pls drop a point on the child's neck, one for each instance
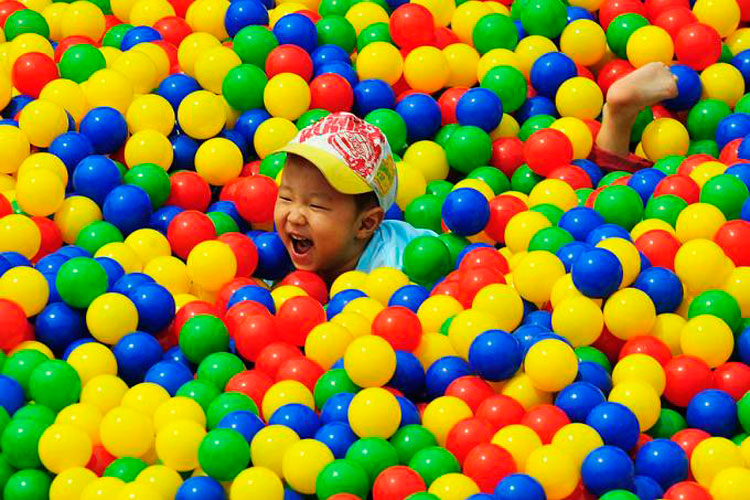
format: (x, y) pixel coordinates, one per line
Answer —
(348, 265)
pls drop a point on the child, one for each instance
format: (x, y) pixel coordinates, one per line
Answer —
(338, 181)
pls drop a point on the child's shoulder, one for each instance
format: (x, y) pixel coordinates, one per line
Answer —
(387, 246)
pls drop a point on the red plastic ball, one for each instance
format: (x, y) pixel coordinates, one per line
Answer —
(613, 71)
(297, 316)
(545, 420)
(621, 181)
(484, 257)
(412, 25)
(100, 459)
(691, 162)
(226, 291)
(32, 71)
(344, 496)
(687, 490)
(251, 383)
(507, 154)
(289, 58)
(609, 344)
(170, 50)
(51, 236)
(189, 191)
(502, 209)
(191, 309)
(659, 246)
(487, 464)
(679, 185)
(471, 389)
(610, 9)
(648, 345)
(309, 282)
(697, 45)
(500, 410)
(575, 177)
(181, 6)
(445, 36)
(13, 324)
(686, 376)
(5, 207)
(187, 229)
(729, 154)
(331, 92)
(733, 237)
(396, 483)
(240, 311)
(732, 378)
(656, 7)
(449, 288)
(448, 101)
(689, 438)
(547, 149)
(466, 434)
(673, 19)
(471, 281)
(274, 355)
(255, 333)
(68, 42)
(256, 197)
(173, 29)
(303, 370)
(244, 250)
(7, 8)
(399, 326)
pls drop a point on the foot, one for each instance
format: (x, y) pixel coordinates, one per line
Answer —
(646, 86)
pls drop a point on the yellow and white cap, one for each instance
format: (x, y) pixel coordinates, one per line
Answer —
(353, 155)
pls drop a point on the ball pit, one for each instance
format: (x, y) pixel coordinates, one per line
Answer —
(569, 332)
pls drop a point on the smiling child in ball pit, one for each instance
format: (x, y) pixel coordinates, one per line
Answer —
(340, 179)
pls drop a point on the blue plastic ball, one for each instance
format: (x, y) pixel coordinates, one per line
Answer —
(155, 305)
(480, 107)
(139, 34)
(175, 354)
(254, 293)
(495, 355)
(296, 29)
(595, 374)
(662, 286)
(273, 260)
(300, 418)
(597, 273)
(689, 88)
(569, 253)
(105, 128)
(175, 87)
(578, 399)
(465, 211)
(409, 377)
(184, 149)
(336, 409)
(647, 489)
(340, 68)
(71, 148)
(576, 13)
(607, 468)
(519, 487)
(162, 217)
(128, 207)
(616, 424)
(136, 353)
(170, 375)
(664, 461)
(329, 53)
(743, 346)
(245, 422)
(644, 182)
(338, 436)
(200, 488)
(601, 233)
(48, 264)
(422, 116)
(732, 127)
(340, 300)
(409, 296)
(740, 170)
(243, 13)
(541, 319)
(580, 222)
(591, 169)
(113, 269)
(713, 411)
(74, 344)
(741, 61)
(11, 394)
(409, 412)
(372, 94)
(95, 177)
(549, 71)
(442, 372)
(249, 121)
(58, 325)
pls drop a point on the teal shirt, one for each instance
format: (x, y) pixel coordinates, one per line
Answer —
(386, 249)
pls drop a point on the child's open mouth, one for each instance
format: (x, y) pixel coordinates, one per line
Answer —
(300, 245)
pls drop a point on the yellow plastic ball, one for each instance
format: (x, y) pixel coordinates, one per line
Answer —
(497, 57)
(664, 137)
(462, 61)
(468, 325)
(218, 161)
(67, 94)
(64, 447)
(302, 463)
(157, 55)
(152, 112)
(382, 282)
(148, 244)
(83, 416)
(426, 69)
(628, 313)
(722, 15)
(108, 87)
(519, 440)
(269, 445)
(326, 343)
(579, 97)
(738, 286)
(273, 134)
(145, 397)
(178, 408)
(212, 66)
(430, 158)
(191, 47)
(374, 412)
(577, 440)
(640, 368)
(651, 225)
(18, 233)
(411, 184)
(551, 364)
(709, 338)
(433, 346)
(700, 265)
(161, 478)
(433, 312)
(366, 306)
(92, 359)
(110, 317)
(723, 82)
(42, 121)
(508, 128)
(578, 319)
(177, 444)
(83, 18)
(699, 220)
(453, 486)
(441, 414)
(501, 301)
(102, 487)
(711, 456)
(522, 227)
(555, 470)
(364, 14)
(123, 255)
(201, 114)
(578, 132)
(104, 392)
(211, 264)
(738, 41)
(442, 10)
(522, 389)
(138, 68)
(553, 192)
(531, 48)
(44, 161)
(69, 484)
(649, 44)
(707, 171)
(40, 192)
(285, 392)
(15, 146)
(355, 323)
(380, 60)
(369, 361)
(584, 41)
(732, 483)
(628, 256)
(536, 274)
(147, 12)
(466, 16)
(257, 482)
(642, 400)
(126, 432)
(668, 329)
(208, 16)
(285, 292)
(27, 287)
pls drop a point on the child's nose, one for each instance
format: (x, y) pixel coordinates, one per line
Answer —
(296, 216)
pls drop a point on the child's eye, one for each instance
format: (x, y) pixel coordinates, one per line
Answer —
(285, 198)
(318, 207)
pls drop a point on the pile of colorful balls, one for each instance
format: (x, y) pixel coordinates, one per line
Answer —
(570, 333)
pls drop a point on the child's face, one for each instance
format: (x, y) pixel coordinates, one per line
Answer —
(321, 228)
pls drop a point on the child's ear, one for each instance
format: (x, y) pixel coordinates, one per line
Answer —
(369, 221)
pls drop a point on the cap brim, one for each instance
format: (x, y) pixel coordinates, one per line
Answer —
(337, 173)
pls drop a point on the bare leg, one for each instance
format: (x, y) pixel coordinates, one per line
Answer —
(648, 85)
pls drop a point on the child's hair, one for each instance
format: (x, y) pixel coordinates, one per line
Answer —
(365, 201)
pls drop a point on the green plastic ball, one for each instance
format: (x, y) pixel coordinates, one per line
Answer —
(200, 391)
(20, 443)
(508, 83)
(743, 411)
(373, 455)
(113, 37)
(524, 179)
(308, 118)
(336, 30)
(439, 188)
(151, 178)
(665, 207)
(669, 164)
(455, 243)
(433, 462)
(410, 439)
(720, 304)
(493, 177)
(80, 280)
(727, 193)
(20, 365)
(55, 384)
(227, 403)
(582, 194)
(550, 239)
(332, 382)
(669, 423)
(334, 7)
(645, 116)
(705, 116)
(342, 476)
(6, 470)
(445, 133)
(25, 21)
(426, 259)
(705, 147)
(494, 31)
(469, 147)
(612, 177)
(424, 212)
(203, 335)
(253, 44)
(37, 413)
(536, 122)
(376, 32)
(27, 484)
(544, 17)
(588, 353)
(620, 205)
(81, 61)
(125, 468)
(392, 125)
(218, 368)
(743, 105)
(271, 165)
(620, 29)
(223, 454)
(96, 234)
(223, 222)
(553, 213)
(243, 87)
(619, 495)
